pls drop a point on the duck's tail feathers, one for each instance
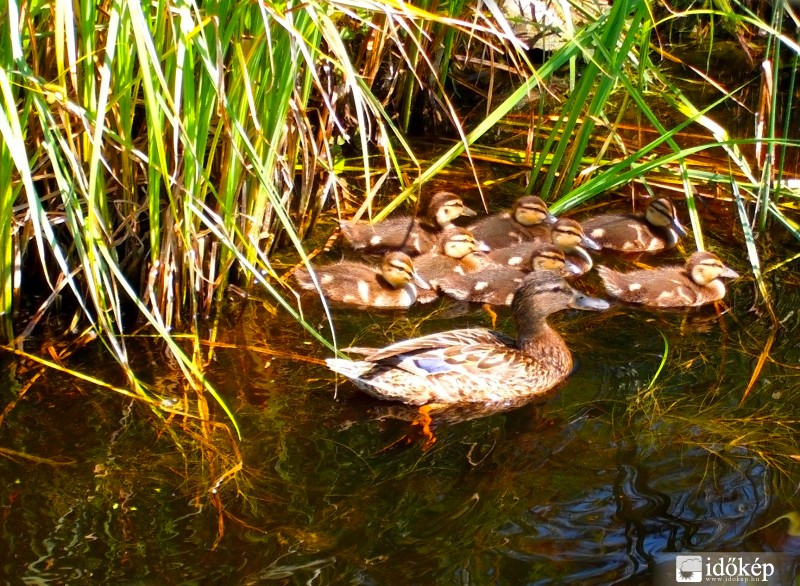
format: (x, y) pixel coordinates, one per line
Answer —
(352, 369)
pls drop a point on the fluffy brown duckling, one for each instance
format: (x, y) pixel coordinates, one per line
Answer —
(657, 229)
(496, 286)
(409, 234)
(394, 286)
(528, 220)
(458, 253)
(567, 235)
(479, 367)
(697, 283)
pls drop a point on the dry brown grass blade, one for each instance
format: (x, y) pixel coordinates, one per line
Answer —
(762, 359)
(14, 454)
(266, 350)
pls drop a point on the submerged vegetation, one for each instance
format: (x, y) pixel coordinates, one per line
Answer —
(154, 155)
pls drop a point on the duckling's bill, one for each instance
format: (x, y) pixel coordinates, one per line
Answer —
(419, 281)
(590, 243)
(677, 227)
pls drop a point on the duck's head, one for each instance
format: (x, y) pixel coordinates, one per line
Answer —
(550, 258)
(397, 269)
(661, 213)
(704, 267)
(445, 207)
(532, 211)
(544, 293)
(458, 243)
(568, 236)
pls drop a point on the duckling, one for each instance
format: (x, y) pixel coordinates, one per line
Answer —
(394, 286)
(496, 286)
(408, 234)
(567, 235)
(458, 253)
(528, 220)
(657, 229)
(479, 367)
(697, 283)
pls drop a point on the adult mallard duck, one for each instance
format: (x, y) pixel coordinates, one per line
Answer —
(657, 229)
(528, 220)
(477, 367)
(496, 286)
(697, 283)
(394, 286)
(408, 234)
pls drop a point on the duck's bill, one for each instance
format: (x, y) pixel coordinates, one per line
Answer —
(590, 243)
(676, 225)
(572, 268)
(729, 273)
(420, 282)
(483, 247)
(550, 219)
(465, 211)
(581, 301)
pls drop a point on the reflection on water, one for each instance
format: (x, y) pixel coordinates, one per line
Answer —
(594, 485)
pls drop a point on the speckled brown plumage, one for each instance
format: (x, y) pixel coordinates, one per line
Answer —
(456, 253)
(657, 229)
(476, 366)
(393, 286)
(497, 286)
(408, 234)
(566, 234)
(528, 220)
(697, 283)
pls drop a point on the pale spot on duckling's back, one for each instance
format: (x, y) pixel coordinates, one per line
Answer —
(363, 291)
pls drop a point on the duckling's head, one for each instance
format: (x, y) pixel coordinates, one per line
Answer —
(397, 269)
(550, 258)
(445, 207)
(532, 211)
(458, 243)
(661, 213)
(568, 235)
(543, 293)
(705, 267)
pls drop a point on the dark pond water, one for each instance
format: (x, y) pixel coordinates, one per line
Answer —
(621, 466)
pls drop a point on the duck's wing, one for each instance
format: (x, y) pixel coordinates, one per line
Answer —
(447, 343)
(341, 274)
(458, 354)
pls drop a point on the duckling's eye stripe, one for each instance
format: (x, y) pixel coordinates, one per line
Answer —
(550, 256)
(662, 208)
